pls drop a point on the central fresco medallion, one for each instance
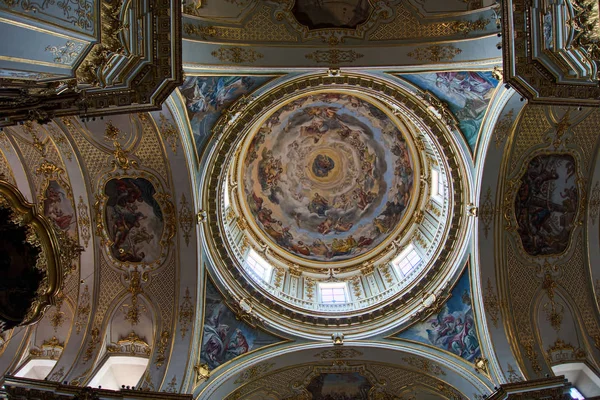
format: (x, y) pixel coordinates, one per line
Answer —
(328, 176)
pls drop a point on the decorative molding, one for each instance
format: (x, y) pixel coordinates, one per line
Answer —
(543, 73)
(169, 132)
(491, 303)
(441, 107)
(132, 311)
(186, 219)
(50, 349)
(91, 347)
(131, 344)
(83, 309)
(513, 376)
(161, 348)
(24, 388)
(338, 353)
(435, 53)
(186, 313)
(502, 128)
(594, 204)
(237, 55)
(488, 212)
(172, 386)
(424, 365)
(57, 318)
(83, 219)
(254, 372)
(334, 57)
(66, 54)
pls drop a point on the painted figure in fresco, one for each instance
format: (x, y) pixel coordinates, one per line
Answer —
(318, 205)
(133, 231)
(125, 211)
(467, 94)
(300, 248)
(213, 339)
(546, 204)
(53, 208)
(304, 213)
(453, 328)
(322, 165)
(269, 170)
(238, 345)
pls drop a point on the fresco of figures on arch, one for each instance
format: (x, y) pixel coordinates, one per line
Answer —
(224, 336)
(346, 386)
(319, 14)
(467, 94)
(453, 328)
(328, 176)
(59, 208)
(134, 220)
(206, 97)
(546, 204)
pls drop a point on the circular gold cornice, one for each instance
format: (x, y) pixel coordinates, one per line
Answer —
(402, 227)
(230, 130)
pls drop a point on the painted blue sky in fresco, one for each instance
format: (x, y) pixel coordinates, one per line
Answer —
(467, 94)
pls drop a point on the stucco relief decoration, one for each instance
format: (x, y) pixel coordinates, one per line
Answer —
(328, 176)
(547, 203)
(135, 219)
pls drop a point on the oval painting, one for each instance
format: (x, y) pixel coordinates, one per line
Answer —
(328, 177)
(59, 209)
(134, 220)
(546, 204)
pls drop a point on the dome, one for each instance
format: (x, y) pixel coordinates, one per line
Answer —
(338, 203)
(327, 176)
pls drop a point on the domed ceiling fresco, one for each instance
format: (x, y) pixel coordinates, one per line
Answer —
(328, 176)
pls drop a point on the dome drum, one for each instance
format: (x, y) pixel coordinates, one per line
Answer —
(329, 208)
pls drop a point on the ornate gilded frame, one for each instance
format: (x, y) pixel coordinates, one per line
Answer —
(40, 235)
(166, 206)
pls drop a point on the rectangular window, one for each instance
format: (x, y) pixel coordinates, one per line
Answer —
(407, 260)
(575, 394)
(333, 293)
(258, 265)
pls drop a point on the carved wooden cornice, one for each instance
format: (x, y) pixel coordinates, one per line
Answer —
(133, 67)
(23, 388)
(556, 388)
(547, 67)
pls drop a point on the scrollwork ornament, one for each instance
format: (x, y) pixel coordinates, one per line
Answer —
(44, 246)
